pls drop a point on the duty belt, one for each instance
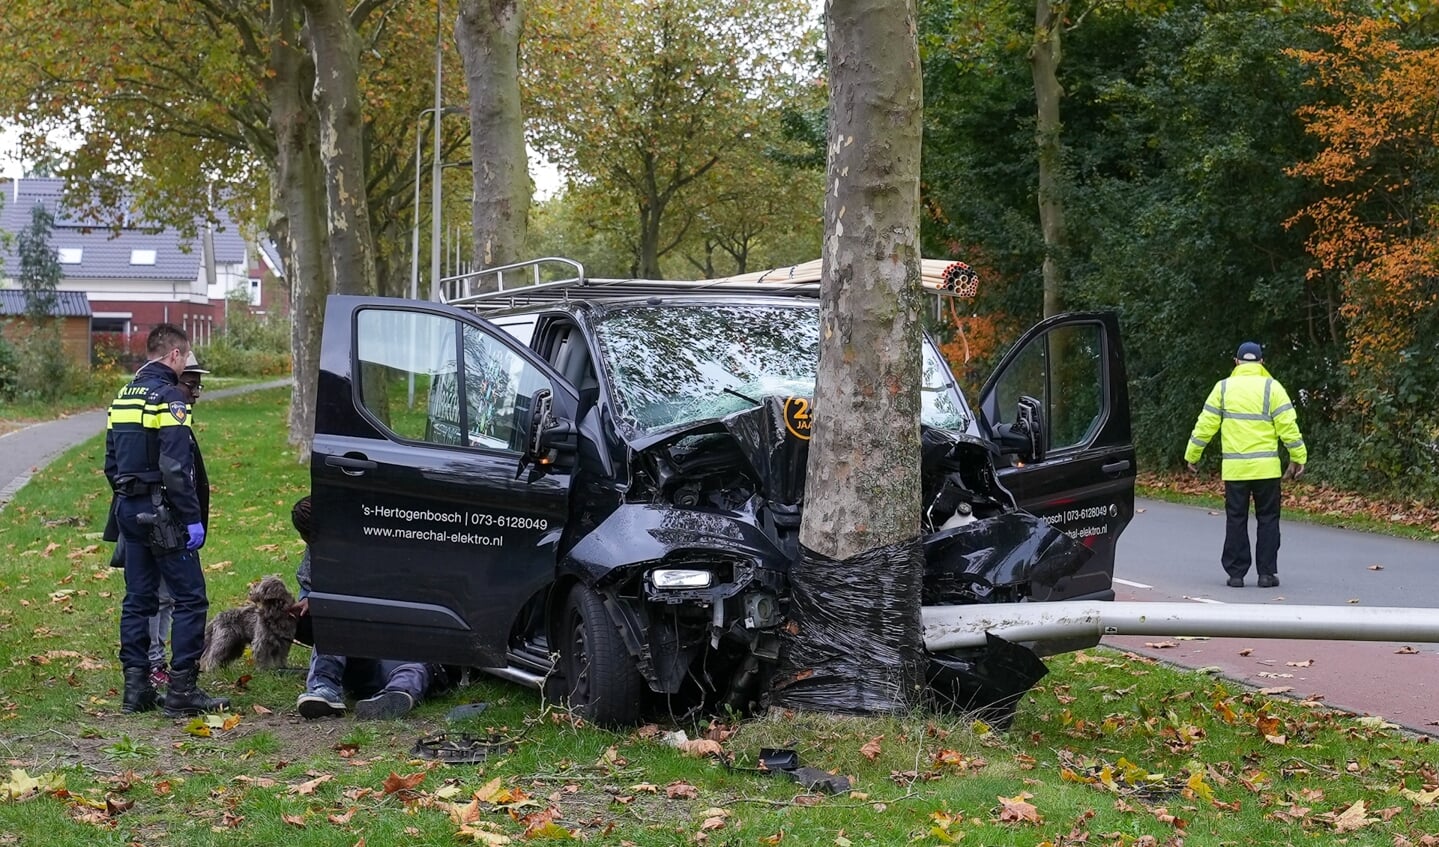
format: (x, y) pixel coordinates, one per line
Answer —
(134, 488)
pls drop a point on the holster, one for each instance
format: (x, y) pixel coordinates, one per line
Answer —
(167, 536)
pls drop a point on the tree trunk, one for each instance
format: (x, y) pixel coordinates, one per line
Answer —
(488, 34)
(336, 49)
(299, 204)
(1044, 58)
(854, 642)
(652, 210)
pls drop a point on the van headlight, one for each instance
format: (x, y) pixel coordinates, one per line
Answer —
(681, 578)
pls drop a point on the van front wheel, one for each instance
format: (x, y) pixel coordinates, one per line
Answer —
(603, 683)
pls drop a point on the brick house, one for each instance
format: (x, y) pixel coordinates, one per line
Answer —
(71, 309)
(140, 276)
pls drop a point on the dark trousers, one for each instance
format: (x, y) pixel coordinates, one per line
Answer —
(1237, 493)
(143, 572)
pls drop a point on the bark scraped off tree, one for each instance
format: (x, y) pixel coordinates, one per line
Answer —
(853, 640)
(488, 35)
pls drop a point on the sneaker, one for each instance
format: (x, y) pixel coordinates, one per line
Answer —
(323, 702)
(1268, 580)
(160, 676)
(1236, 582)
(386, 705)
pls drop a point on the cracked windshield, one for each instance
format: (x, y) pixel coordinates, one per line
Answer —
(677, 365)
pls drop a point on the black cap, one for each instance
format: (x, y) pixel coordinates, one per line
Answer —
(1250, 351)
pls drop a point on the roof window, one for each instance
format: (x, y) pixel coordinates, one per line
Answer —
(142, 257)
(70, 255)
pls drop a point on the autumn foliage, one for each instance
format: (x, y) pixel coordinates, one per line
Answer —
(1374, 227)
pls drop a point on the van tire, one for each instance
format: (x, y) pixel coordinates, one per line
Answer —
(600, 676)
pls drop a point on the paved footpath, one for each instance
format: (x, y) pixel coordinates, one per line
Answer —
(25, 451)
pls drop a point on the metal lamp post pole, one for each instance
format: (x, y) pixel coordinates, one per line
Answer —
(415, 240)
(435, 170)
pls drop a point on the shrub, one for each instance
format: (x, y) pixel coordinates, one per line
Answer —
(9, 370)
(43, 370)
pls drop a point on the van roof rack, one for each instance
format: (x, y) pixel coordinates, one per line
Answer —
(554, 279)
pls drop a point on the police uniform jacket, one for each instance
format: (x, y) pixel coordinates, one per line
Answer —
(1253, 415)
(148, 441)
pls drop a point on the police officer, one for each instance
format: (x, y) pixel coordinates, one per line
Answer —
(191, 384)
(150, 463)
(1253, 414)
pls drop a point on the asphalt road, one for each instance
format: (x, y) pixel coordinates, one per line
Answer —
(1171, 553)
(25, 451)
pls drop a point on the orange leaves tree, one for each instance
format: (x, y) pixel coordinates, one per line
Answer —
(1375, 230)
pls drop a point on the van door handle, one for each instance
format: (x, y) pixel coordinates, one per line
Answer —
(350, 466)
(1115, 467)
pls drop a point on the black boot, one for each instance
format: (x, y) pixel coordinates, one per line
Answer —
(183, 697)
(140, 695)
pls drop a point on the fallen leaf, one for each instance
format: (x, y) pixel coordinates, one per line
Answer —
(309, 787)
(1304, 664)
(1376, 567)
(394, 782)
(1018, 809)
(1406, 650)
(1160, 645)
(871, 748)
(294, 820)
(681, 791)
(701, 747)
(1353, 818)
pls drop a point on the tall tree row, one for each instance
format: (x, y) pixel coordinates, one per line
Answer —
(269, 102)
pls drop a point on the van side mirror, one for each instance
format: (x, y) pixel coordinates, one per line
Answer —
(1028, 436)
(550, 438)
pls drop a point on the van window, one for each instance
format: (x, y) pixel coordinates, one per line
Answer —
(417, 381)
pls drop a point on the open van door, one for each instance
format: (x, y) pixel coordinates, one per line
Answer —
(1058, 406)
(439, 489)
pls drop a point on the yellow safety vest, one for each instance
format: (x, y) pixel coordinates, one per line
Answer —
(1256, 417)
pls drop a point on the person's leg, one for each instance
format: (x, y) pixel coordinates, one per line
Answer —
(181, 571)
(1235, 557)
(404, 687)
(1267, 498)
(324, 687)
(159, 634)
(141, 580)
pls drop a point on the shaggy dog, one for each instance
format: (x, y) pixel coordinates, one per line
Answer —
(264, 625)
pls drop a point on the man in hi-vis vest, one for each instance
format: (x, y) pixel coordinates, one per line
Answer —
(1253, 415)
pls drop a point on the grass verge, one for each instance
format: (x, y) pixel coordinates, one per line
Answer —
(1109, 749)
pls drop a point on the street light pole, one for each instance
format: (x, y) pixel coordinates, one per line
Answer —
(435, 169)
(415, 240)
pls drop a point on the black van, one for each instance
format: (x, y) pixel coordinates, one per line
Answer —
(595, 486)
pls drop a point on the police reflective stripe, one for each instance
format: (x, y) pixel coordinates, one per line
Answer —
(1294, 445)
(126, 416)
(1197, 441)
(1246, 416)
(1282, 409)
(1209, 408)
(1262, 454)
(1223, 386)
(1268, 386)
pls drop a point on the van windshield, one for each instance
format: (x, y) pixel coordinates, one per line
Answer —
(678, 365)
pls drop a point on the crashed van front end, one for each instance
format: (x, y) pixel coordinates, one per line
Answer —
(694, 564)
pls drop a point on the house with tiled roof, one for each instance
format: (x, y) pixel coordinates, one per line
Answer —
(138, 276)
(70, 308)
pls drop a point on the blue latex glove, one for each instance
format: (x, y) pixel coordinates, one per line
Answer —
(197, 536)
